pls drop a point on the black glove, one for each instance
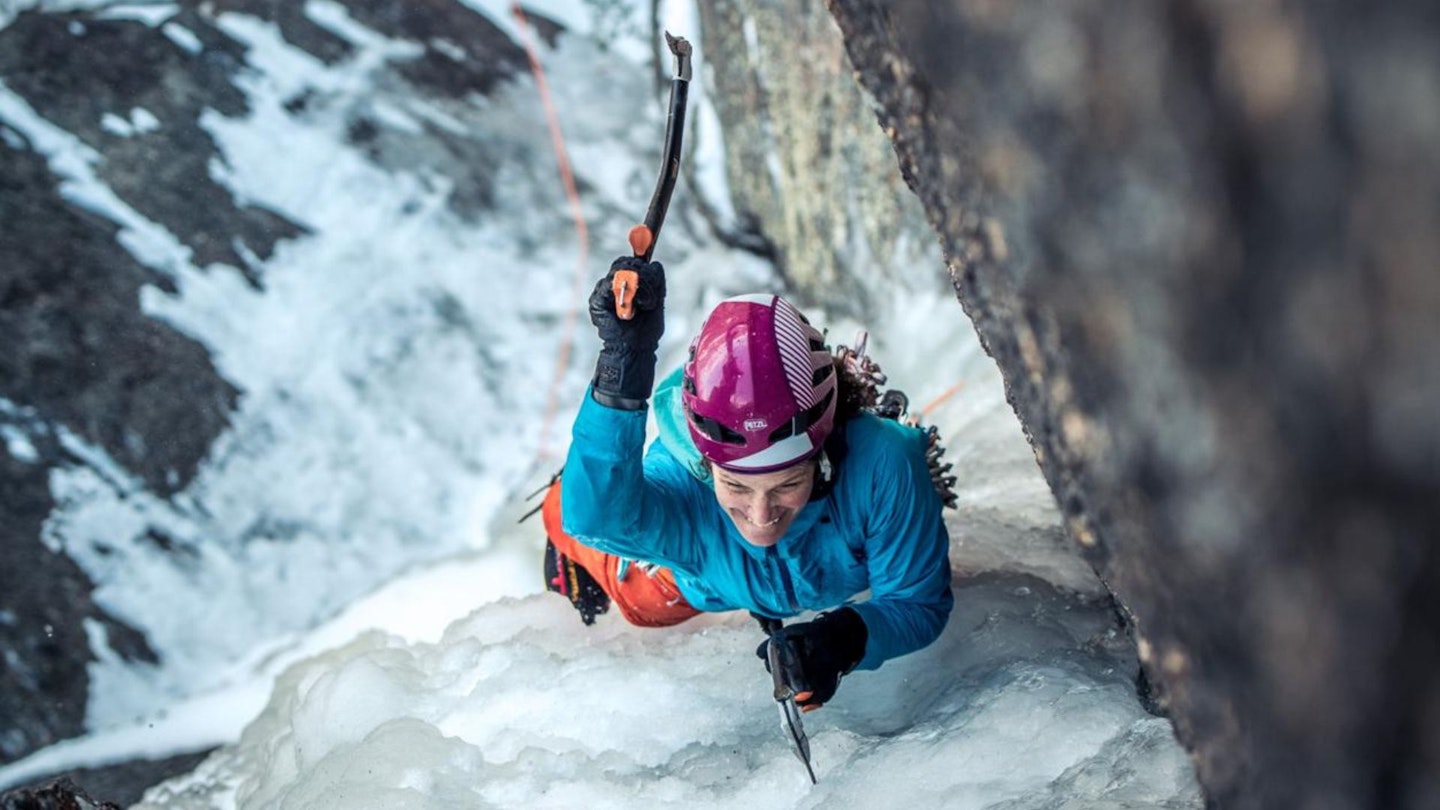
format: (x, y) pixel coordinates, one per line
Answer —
(625, 371)
(827, 648)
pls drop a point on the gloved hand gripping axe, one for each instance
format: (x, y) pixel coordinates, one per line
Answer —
(784, 666)
(625, 283)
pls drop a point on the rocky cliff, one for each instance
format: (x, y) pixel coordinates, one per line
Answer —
(807, 168)
(58, 795)
(1199, 239)
(81, 358)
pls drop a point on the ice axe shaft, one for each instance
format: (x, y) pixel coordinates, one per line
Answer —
(626, 283)
(785, 673)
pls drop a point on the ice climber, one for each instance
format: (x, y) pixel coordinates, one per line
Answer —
(769, 489)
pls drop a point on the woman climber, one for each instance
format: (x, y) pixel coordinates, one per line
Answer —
(772, 488)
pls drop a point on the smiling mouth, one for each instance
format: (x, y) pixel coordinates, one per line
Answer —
(761, 525)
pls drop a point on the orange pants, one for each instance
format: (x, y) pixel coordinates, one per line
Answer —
(645, 598)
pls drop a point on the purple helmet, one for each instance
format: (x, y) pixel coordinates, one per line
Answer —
(759, 388)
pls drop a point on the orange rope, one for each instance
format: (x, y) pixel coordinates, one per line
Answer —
(582, 232)
(935, 403)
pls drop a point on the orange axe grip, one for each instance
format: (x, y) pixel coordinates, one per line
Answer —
(626, 283)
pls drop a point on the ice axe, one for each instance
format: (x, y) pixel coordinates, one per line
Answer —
(784, 668)
(626, 283)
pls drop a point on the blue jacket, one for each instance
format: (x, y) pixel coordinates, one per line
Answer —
(879, 528)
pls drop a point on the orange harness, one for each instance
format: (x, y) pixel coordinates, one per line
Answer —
(647, 598)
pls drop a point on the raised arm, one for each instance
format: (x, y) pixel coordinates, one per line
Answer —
(614, 501)
(608, 501)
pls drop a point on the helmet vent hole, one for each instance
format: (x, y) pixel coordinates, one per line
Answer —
(715, 430)
(804, 420)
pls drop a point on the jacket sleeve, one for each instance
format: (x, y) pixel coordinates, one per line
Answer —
(907, 552)
(616, 500)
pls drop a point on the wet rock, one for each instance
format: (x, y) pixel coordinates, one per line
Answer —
(1198, 238)
(123, 783)
(80, 352)
(44, 598)
(135, 95)
(80, 357)
(59, 795)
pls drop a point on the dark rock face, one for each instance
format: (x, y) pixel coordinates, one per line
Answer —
(80, 357)
(83, 354)
(44, 597)
(60, 795)
(1199, 239)
(123, 784)
(53, 61)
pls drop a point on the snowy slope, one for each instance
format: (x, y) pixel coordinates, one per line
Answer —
(397, 373)
(521, 706)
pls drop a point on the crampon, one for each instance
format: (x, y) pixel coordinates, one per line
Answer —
(573, 582)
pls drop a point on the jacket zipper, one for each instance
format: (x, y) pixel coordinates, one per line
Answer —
(784, 570)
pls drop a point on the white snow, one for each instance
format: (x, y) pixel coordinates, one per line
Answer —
(394, 375)
(183, 37)
(18, 444)
(139, 122)
(519, 705)
(417, 606)
(152, 13)
(14, 431)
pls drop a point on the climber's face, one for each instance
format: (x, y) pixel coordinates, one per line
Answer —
(762, 505)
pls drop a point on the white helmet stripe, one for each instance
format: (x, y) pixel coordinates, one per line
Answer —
(794, 345)
(794, 448)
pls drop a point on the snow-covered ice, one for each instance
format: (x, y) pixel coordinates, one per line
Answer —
(1018, 705)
